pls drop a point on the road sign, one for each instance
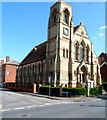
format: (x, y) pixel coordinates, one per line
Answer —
(49, 79)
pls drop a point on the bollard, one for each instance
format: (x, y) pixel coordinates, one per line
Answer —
(34, 88)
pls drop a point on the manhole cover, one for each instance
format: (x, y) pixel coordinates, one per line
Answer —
(24, 115)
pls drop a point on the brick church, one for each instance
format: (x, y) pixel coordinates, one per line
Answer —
(67, 57)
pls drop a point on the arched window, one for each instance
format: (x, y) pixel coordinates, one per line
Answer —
(87, 54)
(82, 45)
(54, 20)
(76, 50)
(53, 16)
(63, 52)
(67, 53)
(66, 16)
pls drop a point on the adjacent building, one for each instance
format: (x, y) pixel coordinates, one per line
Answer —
(103, 66)
(9, 71)
(67, 57)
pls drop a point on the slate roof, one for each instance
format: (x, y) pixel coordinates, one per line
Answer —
(36, 54)
(75, 28)
(104, 63)
(13, 62)
(104, 54)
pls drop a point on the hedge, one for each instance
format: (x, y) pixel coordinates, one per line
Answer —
(56, 90)
(71, 91)
(104, 84)
(75, 91)
(96, 91)
(53, 90)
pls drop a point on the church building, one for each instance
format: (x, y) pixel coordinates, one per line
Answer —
(67, 57)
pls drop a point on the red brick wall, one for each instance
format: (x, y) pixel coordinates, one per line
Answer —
(103, 71)
(10, 73)
(102, 58)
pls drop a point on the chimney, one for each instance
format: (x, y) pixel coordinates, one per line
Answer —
(7, 59)
(2, 62)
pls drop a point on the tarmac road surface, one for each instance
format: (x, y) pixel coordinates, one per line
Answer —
(17, 105)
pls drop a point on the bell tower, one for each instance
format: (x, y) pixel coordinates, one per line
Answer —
(59, 20)
(60, 32)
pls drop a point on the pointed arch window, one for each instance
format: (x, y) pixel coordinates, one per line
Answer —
(54, 16)
(67, 53)
(82, 45)
(66, 16)
(76, 50)
(54, 20)
(63, 52)
(66, 19)
(87, 54)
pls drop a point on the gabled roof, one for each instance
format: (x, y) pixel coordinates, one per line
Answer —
(104, 63)
(13, 62)
(75, 28)
(81, 30)
(37, 53)
(103, 54)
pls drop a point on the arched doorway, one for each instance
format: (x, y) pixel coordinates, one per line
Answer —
(84, 74)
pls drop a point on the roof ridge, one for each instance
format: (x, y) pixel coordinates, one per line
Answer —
(104, 63)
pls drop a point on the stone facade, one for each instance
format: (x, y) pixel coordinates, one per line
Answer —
(67, 57)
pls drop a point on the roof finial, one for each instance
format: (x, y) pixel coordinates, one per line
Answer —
(59, 0)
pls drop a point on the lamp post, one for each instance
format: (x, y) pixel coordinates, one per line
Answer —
(49, 80)
(87, 89)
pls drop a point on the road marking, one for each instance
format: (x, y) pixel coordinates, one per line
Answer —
(35, 101)
(41, 105)
(66, 102)
(6, 110)
(19, 108)
(46, 104)
(30, 106)
(96, 99)
(77, 102)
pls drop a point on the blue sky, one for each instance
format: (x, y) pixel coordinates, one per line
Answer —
(24, 25)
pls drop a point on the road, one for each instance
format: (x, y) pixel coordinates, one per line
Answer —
(18, 105)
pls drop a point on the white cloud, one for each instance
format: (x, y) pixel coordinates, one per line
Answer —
(101, 34)
(103, 27)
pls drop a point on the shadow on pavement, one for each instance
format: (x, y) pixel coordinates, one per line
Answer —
(5, 89)
(103, 97)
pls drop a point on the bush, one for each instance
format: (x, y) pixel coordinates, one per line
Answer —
(96, 91)
(53, 90)
(104, 86)
(75, 91)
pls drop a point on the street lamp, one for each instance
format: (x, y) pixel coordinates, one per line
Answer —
(87, 89)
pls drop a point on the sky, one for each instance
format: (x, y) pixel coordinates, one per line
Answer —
(24, 25)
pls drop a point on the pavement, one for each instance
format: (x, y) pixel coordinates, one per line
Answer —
(71, 98)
